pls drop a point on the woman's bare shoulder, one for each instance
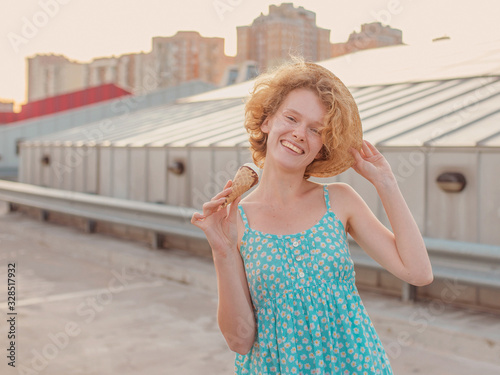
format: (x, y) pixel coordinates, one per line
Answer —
(341, 189)
(341, 197)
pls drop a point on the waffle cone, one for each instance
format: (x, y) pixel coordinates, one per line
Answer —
(244, 179)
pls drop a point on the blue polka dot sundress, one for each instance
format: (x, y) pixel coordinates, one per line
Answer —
(309, 316)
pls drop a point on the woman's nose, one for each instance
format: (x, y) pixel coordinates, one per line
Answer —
(299, 131)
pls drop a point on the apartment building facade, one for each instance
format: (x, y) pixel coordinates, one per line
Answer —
(184, 57)
(285, 31)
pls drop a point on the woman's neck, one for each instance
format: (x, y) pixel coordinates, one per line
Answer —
(280, 187)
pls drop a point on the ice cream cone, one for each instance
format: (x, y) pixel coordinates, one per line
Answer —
(244, 179)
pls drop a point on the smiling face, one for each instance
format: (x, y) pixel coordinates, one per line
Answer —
(294, 131)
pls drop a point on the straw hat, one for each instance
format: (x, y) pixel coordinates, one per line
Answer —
(347, 133)
(340, 158)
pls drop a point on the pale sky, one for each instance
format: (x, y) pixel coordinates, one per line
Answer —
(85, 29)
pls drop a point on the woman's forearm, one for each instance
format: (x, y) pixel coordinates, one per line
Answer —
(235, 310)
(409, 241)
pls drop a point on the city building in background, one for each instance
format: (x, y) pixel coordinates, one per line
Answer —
(7, 113)
(51, 75)
(240, 72)
(6, 106)
(372, 35)
(285, 30)
(186, 56)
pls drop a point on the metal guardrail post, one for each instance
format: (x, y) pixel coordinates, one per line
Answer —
(90, 226)
(155, 240)
(408, 292)
(43, 215)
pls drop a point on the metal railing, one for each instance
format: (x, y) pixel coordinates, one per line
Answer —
(471, 263)
(157, 218)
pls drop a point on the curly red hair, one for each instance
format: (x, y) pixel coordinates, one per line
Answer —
(342, 116)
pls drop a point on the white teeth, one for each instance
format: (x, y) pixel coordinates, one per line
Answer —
(292, 147)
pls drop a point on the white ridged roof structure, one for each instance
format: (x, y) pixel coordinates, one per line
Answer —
(440, 95)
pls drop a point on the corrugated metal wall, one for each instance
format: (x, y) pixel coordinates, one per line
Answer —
(423, 129)
(40, 126)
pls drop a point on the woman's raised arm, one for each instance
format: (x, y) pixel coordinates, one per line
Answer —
(402, 252)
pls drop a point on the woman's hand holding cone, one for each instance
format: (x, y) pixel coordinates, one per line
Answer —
(218, 223)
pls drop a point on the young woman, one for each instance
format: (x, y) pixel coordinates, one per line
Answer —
(288, 302)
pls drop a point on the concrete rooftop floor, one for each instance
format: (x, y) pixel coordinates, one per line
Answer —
(92, 304)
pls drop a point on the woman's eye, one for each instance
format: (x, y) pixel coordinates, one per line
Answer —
(315, 130)
(290, 118)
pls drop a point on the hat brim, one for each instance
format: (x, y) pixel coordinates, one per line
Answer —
(342, 159)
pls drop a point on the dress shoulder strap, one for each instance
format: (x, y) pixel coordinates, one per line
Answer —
(243, 215)
(327, 197)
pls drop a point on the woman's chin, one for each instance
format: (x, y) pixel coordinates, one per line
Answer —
(290, 166)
